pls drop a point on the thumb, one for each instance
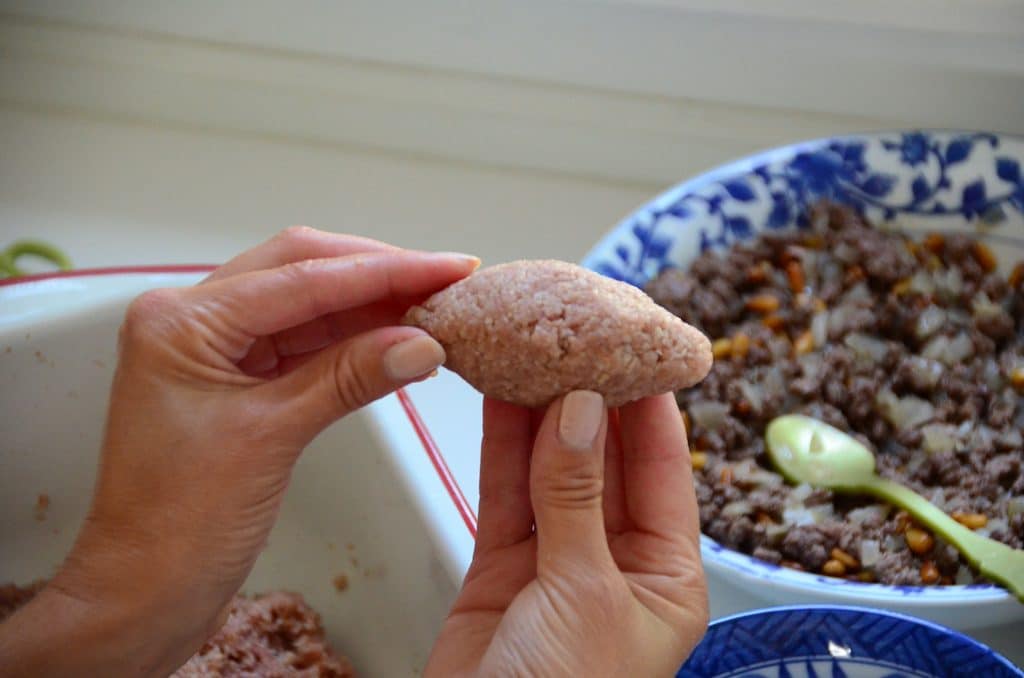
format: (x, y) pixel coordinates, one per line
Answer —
(351, 374)
(566, 482)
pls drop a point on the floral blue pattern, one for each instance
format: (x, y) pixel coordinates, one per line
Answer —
(967, 178)
(834, 642)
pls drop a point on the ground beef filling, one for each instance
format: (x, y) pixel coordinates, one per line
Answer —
(917, 348)
(273, 635)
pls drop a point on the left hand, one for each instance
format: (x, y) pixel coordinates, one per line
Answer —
(218, 389)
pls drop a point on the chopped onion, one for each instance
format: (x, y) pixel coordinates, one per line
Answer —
(763, 478)
(936, 348)
(929, 322)
(959, 316)
(822, 513)
(800, 493)
(870, 552)
(991, 374)
(810, 365)
(983, 308)
(868, 348)
(904, 413)
(1011, 439)
(844, 253)
(938, 438)
(736, 509)
(868, 514)
(1015, 506)
(831, 272)
(982, 437)
(753, 393)
(773, 383)
(959, 348)
(926, 372)
(964, 576)
(838, 319)
(949, 351)
(915, 464)
(780, 348)
(809, 259)
(708, 414)
(747, 472)
(950, 284)
(798, 516)
(893, 543)
(996, 525)
(922, 283)
(819, 328)
(814, 515)
(774, 532)
(858, 292)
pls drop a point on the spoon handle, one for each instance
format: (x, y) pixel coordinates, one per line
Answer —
(994, 559)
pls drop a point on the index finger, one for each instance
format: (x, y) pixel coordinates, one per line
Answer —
(296, 243)
(263, 302)
(657, 470)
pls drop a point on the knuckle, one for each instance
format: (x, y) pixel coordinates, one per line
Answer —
(145, 310)
(303, 274)
(581, 485)
(352, 386)
(295, 234)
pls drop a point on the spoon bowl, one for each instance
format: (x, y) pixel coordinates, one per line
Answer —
(806, 450)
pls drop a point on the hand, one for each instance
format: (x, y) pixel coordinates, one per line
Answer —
(609, 583)
(218, 389)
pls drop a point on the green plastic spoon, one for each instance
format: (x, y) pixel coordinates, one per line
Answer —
(806, 450)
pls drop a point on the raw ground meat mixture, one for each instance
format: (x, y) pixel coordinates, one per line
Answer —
(917, 348)
(274, 635)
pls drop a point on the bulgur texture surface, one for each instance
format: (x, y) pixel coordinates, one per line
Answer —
(528, 332)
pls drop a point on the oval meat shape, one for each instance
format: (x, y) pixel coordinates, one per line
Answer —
(530, 331)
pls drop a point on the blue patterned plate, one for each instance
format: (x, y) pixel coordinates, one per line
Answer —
(912, 180)
(835, 642)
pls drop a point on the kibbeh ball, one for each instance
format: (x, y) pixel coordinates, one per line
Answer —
(528, 332)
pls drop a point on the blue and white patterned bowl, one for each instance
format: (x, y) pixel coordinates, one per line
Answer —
(918, 180)
(823, 641)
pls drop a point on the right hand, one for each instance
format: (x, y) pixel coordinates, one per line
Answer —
(587, 557)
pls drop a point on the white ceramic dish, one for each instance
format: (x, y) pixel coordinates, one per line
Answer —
(345, 512)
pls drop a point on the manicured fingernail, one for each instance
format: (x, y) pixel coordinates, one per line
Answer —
(580, 419)
(475, 261)
(413, 358)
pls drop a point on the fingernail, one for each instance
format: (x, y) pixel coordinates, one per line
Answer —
(474, 260)
(413, 358)
(580, 419)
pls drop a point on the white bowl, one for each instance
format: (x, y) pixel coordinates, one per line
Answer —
(919, 181)
(345, 512)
